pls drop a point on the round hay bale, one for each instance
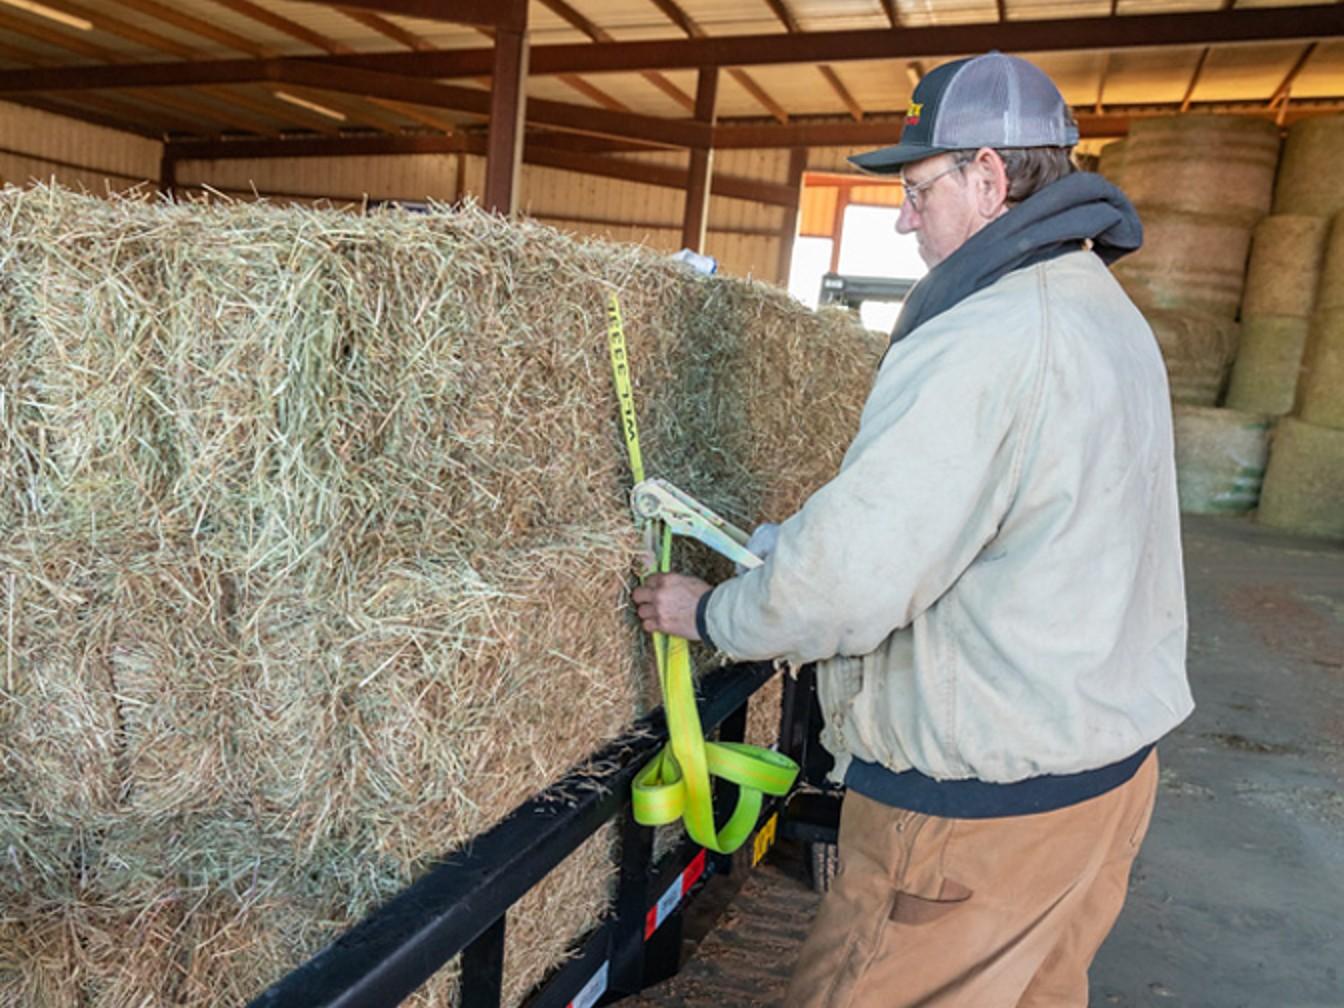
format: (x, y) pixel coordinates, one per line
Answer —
(1310, 181)
(1330, 287)
(1198, 349)
(1322, 400)
(1220, 459)
(1286, 254)
(1207, 164)
(1304, 482)
(1111, 164)
(1268, 365)
(1188, 260)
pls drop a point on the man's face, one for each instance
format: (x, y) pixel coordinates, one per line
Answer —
(940, 206)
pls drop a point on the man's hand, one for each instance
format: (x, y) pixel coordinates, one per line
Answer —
(666, 603)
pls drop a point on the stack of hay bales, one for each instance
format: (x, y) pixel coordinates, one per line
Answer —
(1304, 484)
(1111, 162)
(1201, 183)
(316, 550)
(1286, 255)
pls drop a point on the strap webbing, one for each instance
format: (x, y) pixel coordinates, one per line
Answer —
(676, 783)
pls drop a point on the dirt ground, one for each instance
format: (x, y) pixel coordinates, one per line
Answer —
(1237, 899)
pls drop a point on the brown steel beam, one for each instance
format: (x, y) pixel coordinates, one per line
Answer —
(663, 176)
(1098, 105)
(534, 153)
(559, 115)
(688, 24)
(1286, 85)
(1189, 95)
(191, 110)
(1126, 32)
(472, 12)
(788, 230)
(1123, 32)
(1114, 123)
(508, 106)
(838, 227)
(696, 211)
(577, 21)
(389, 29)
(838, 86)
(781, 11)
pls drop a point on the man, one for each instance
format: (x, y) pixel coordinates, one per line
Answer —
(992, 581)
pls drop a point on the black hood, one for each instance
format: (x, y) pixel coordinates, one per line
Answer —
(1051, 222)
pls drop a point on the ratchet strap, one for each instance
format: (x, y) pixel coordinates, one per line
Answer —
(675, 784)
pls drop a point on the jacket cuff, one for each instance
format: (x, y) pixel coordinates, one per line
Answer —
(702, 621)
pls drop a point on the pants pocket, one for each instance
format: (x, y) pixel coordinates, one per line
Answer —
(914, 909)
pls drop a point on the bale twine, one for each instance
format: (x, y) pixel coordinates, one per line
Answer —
(1286, 255)
(1322, 395)
(1220, 459)
(1194, 261)
(1330, 288)
(1304, 482)
(1268, 367)
(1111, 163)
(315, 542)
(1197, 349)
(1310, 181)
(1206, 164)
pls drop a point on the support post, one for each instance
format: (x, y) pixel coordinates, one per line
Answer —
(168, 175)
(838, 226)
(508, 104)
(696, 221)
(788, 230)
(483, 968)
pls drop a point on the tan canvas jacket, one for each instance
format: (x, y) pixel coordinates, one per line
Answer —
(993, 580)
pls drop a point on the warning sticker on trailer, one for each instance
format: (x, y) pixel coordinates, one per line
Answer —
(592, 990)
(671, 897)
(765, 839)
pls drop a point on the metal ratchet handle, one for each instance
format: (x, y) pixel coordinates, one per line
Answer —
(687, 517)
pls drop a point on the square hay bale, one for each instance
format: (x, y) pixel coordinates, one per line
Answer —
(316, 558)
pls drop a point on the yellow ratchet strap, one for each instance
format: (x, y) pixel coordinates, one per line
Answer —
(675, 784)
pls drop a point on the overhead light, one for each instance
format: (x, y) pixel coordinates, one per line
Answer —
(311, 106)
(42, 10)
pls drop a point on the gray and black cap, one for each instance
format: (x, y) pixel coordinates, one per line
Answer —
(994, 100)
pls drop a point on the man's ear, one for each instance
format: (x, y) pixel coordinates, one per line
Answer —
(990, 179)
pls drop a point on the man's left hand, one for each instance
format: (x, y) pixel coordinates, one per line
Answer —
(666, 604)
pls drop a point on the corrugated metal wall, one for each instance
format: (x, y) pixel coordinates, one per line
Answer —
(415, 177)
(746, 237)
(38, 145)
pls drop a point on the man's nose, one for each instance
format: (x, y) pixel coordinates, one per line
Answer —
(907, 219)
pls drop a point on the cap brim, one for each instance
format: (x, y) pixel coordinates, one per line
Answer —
(890, 160)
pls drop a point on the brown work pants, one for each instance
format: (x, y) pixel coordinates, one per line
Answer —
(971, 913)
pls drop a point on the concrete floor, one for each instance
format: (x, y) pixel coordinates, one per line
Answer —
(1237, 898)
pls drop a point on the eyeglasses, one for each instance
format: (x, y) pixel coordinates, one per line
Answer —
(914, 194)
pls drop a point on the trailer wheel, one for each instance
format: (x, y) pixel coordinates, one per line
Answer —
(822, 861)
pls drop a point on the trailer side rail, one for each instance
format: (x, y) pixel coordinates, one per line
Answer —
(461, 903)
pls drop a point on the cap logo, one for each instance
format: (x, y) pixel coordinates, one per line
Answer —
(913, 112)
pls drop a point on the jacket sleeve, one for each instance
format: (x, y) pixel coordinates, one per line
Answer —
(922, 490)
